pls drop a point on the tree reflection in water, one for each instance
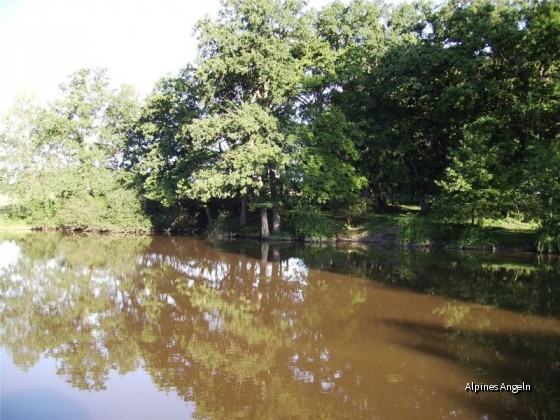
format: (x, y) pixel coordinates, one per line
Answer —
(248, 330)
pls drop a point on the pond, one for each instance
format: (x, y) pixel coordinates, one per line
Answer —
(106, 327)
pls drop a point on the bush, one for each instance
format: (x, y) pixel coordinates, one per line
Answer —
(413, 230)
(311, 224)
(81, 199)
(475, 238)
(120, 209)
(224, 225)
(549, 236)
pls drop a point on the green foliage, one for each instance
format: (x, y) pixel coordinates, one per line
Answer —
(118, 210)
(158, 152)
(65, 170)
(327, 163)
(223, 226)
(250, 63)
(313, 225)
(508, 151)
(252, 148)
(413, 231)
(549, 237)
(468, 188)
(475, 238)
(454, 106)
(8, 220)
(80, 198)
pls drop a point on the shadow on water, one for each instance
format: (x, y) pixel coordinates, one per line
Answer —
(523, 283)
(507, 358)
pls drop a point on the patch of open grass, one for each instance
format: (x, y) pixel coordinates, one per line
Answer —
(368, 225)
(413, 208)
(7, 221)
(512, 238)
(510, 223)
(5, 204)
(410, 228)
(491, 235)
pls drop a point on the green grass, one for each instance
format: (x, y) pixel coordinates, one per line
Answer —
(510, 223)
(5, 204)
(409, 228)
(7, 222)
(370, 225)
(410, 208)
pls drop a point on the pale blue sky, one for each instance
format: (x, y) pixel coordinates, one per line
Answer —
(138, 41)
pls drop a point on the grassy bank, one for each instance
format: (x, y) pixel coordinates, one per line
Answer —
(7, 222)
(111, 213)
(412, 229)
(403, 227)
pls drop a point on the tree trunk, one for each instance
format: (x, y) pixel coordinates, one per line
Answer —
(265, 246)
(208, 215)
(424, 205)
(275, 255)
(274, 195)
(381, 204)
(275, 219)
(265, 233)
(243, 214)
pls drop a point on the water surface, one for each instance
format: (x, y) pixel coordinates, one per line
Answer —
(97, 327)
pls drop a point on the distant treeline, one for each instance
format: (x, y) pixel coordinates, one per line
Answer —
(299, 116)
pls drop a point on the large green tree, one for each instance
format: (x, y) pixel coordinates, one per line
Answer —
(66, 169)
(160, 154)
(539, 108)
(250, 64)
(505, 76)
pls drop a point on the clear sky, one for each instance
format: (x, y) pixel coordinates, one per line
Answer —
(138, 41)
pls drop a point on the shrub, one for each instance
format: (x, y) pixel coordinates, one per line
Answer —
(413, 230)
(223, 225)
(81, 199)
(311, 224)
(549, 236)
(473, 237)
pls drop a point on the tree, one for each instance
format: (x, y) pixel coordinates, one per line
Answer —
(539, 108)
(408, 135)
(160, 153)
(505, 82)
(469, 190)
(16, 138)
(250, 67)
(242, 165)
(347, 43)
(68, 174)
(327, 172)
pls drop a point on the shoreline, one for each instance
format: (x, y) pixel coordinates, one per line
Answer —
(387, 237)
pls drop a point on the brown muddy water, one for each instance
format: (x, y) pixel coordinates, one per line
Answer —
(106, 327)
